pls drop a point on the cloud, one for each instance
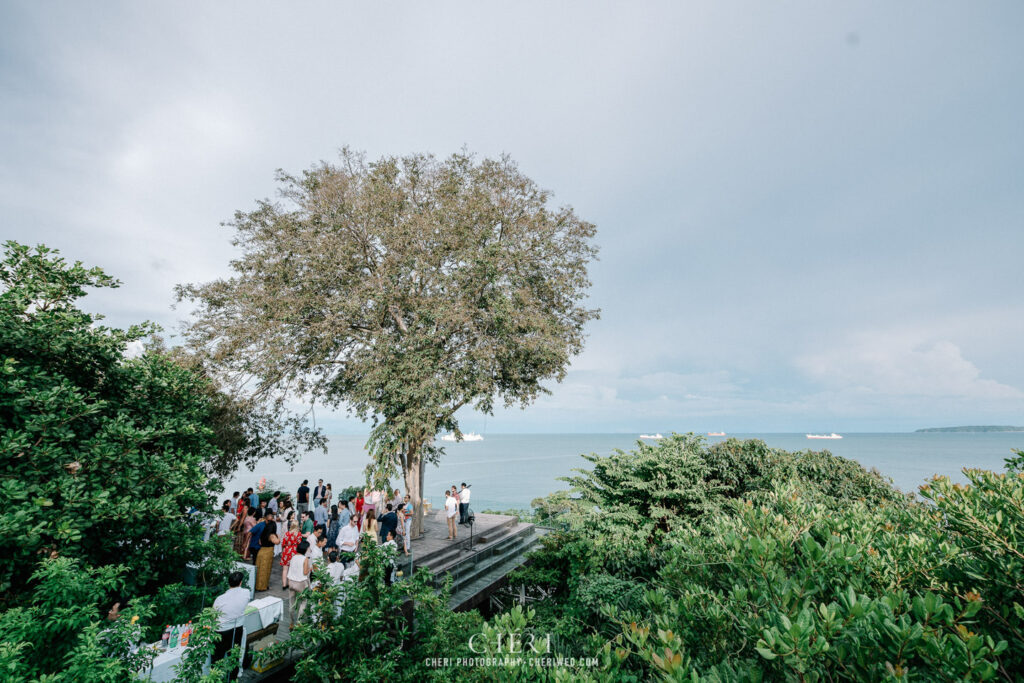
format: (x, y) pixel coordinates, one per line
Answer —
(894, 365)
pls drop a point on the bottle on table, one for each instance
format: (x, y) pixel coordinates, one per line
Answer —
(186, 634)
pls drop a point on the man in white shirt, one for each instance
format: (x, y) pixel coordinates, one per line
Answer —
(231, 604)
(316, 544)
(464, 504)
(335, 568)
(351, 572)
(224, 528)
(348, 537)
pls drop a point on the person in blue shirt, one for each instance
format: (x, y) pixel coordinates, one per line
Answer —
(321, 513)
(254, 535)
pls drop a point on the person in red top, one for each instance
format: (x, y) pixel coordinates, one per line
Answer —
(289, 542)
(359, 510)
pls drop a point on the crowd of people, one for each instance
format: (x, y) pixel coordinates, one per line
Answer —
(318, 529)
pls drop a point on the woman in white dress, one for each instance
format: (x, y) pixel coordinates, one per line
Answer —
(451, 509)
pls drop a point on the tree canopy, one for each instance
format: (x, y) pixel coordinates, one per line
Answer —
(401, 289)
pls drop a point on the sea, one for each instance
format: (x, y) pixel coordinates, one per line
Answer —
(508, 471)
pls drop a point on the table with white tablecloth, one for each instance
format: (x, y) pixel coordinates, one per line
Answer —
(259, 614)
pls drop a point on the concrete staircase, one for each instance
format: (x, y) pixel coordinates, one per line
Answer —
(495, 552)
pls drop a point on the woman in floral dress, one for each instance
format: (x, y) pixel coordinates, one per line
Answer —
(289, 542)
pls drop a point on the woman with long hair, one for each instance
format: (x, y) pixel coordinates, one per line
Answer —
(333, 526)
(406, 518)
(265, 556)
(289, 542)
(370, 527)
(370, 501)
(238, 528)
(298, 578)
(329, 495)
(250, 521)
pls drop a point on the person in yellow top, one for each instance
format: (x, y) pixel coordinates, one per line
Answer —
(370, 526)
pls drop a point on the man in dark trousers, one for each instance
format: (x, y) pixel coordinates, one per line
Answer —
(388, 522)
(319, 492)
(302, 497)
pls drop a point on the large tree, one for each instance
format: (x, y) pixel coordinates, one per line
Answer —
(401, 289)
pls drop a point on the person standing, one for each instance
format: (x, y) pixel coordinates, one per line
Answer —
(254, 498)
(464, 504)
(370, 527)
(370, 502)
(388, 523)
(289, 542)
(231, 605)
(319, 491)
(321, 513)
(307, 522)
(334, 568)
(227, 519)
(274, 503)
(451, 508)
(348, 537)
(302, 497)
(360, 506)
(244, 526)
(344, 513)
(236, 498)
(407, 510)
(298, 579)
(333, 527)
(265, 556)
(316, 542)
(390, 548)
(329, 495)
(254, 535)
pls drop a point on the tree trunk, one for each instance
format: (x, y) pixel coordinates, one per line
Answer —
(413, 466)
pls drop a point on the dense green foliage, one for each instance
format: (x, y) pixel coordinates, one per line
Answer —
(368, 632)
(739, 562)
(102, 456)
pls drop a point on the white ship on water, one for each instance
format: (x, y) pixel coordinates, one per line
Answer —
(833, 435)
(651, 436)
(468, 436)
(716, 433)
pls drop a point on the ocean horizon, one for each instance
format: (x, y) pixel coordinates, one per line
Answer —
(508, 471)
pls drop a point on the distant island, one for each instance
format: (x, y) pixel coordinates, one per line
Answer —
(974, 428)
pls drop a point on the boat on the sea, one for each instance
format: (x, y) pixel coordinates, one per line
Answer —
(833, 435)
(651, 436)
(468, 436)
(716, 433)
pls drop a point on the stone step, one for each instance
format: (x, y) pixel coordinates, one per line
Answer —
(469, 594)
(437, 556)
(497, 546)
(470, 569)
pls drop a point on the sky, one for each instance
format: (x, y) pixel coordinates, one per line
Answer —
(810, 215)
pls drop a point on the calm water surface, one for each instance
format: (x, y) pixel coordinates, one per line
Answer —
(510, 470)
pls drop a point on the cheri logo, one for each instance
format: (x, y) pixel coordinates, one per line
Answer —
(510, 642)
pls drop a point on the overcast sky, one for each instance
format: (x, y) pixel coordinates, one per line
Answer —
(810, 215)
